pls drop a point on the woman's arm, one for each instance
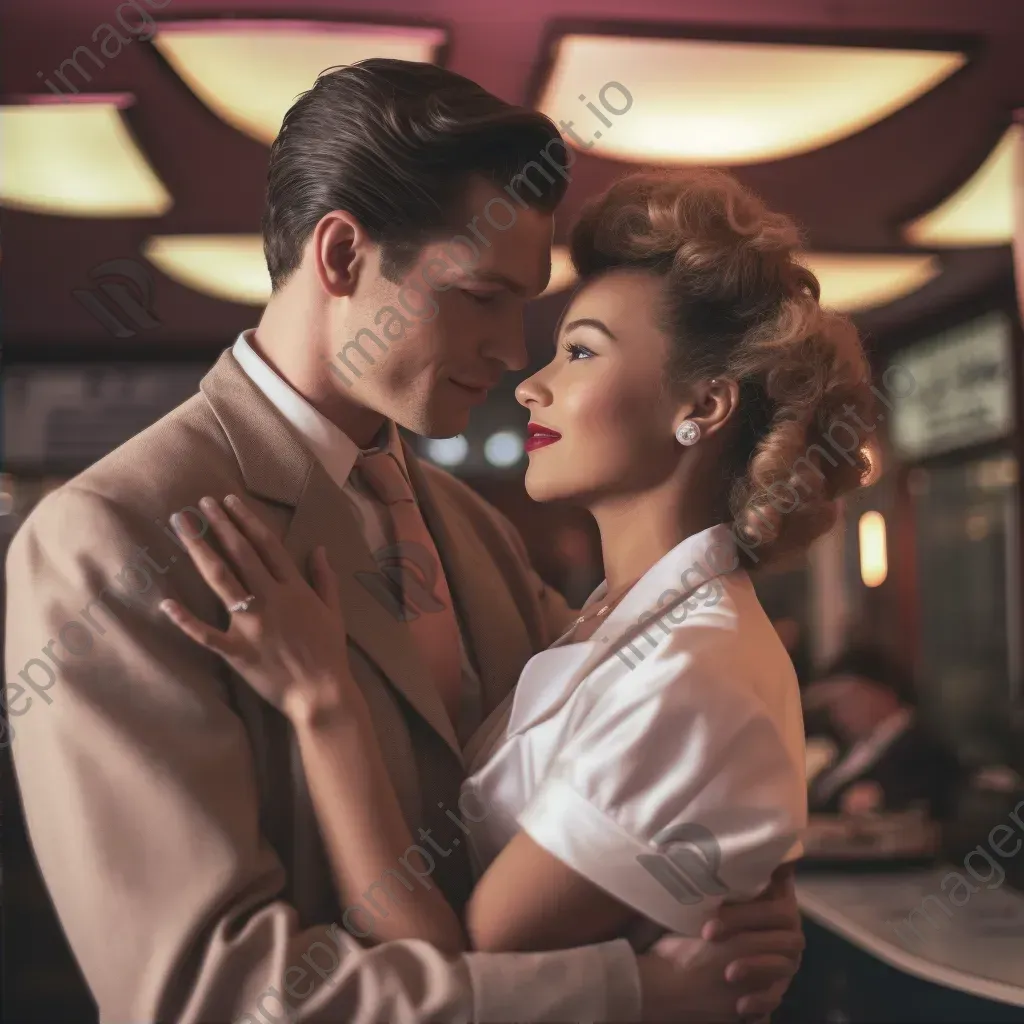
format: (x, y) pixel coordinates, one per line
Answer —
(362, 823)
(667, 798)
(528, 899)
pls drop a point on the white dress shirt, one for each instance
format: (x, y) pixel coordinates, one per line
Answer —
(338, 453)
(672, 784)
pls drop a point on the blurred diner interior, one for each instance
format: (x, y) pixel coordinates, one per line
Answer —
(892, 133)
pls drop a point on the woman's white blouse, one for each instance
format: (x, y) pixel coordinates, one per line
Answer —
(663, 758)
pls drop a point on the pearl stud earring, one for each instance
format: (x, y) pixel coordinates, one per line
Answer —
(688, 433)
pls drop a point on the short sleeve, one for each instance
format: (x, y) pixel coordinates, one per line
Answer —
(676, 788)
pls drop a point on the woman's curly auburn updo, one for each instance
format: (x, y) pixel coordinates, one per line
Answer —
(738, 305)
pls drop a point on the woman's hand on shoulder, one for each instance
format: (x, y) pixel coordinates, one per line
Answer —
(289, 642)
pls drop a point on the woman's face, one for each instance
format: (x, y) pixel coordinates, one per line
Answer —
(609, 419)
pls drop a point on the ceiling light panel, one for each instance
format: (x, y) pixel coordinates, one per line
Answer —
(250, 72)
(228, 267)
(75, 157)
(854, 283)
(683, 101)
(980, 212)
(563, 274)
(233, 267)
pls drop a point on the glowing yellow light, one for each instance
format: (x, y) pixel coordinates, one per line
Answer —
(980, 212)
(563, 274)
(76, 157)
(250, 72)
(874, 560)
(229, 267)
(852, 283)
(700, 101)
(849, 283)
(233, 267)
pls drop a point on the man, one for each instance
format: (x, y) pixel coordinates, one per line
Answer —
(164, 800)
(890, 761)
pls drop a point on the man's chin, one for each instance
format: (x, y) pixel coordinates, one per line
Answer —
(448, 421)
(437, 424)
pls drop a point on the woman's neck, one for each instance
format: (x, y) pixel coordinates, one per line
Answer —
(639, 530)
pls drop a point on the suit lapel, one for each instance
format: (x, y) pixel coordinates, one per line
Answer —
(323, 516)
(278, 468)
(499, 643)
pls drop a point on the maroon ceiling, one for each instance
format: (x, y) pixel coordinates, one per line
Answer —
(848, 196)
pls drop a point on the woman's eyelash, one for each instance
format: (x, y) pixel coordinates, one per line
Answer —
(576, 351)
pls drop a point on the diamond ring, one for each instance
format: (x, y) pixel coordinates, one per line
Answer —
(243, 605)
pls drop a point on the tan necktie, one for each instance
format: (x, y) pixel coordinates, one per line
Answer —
(416, 592)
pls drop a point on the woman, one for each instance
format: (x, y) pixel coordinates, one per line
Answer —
(650, 763)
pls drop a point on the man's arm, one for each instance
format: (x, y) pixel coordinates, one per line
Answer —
(140, 798)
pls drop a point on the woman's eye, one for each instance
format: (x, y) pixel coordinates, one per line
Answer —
(483, 298)
(577, 352)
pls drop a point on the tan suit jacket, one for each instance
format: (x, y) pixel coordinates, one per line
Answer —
(165, 800)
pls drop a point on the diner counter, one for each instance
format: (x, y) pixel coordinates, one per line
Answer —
(977, 948)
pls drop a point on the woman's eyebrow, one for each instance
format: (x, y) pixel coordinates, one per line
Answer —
(588, 321)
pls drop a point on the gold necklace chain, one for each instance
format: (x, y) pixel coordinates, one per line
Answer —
(607, 606)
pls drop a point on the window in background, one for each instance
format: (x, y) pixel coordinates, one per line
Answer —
(954, 409)
(966, 524)
(63, 418)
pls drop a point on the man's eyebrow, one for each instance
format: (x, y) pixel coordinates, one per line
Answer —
(496, 277)
(588, 321)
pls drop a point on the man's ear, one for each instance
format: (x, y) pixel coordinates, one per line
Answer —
(340, 249)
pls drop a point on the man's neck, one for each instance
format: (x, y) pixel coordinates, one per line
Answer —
(297, 350)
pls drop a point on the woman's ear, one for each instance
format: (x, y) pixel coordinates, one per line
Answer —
(339, 247)
(713, 403)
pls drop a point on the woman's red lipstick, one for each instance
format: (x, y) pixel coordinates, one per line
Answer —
(537, 436)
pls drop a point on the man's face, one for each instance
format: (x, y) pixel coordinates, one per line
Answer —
(424, 351)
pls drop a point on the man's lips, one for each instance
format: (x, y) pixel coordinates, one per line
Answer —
(538, 436)
(476, 391)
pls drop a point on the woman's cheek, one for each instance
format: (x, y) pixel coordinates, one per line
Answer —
(608, 426)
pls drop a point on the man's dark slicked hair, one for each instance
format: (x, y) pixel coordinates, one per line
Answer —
(394, 143)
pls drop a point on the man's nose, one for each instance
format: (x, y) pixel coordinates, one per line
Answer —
(510, 346)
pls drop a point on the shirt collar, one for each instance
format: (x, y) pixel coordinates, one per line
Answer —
(335, 450)
(678, 576)
(686, 567)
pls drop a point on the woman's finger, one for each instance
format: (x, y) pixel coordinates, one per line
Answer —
(757, 1004)
(218, 575)
(271, 551)
(195, 629)
(325, 580)
(254, 575)
(756, 972)
(752, 947)
(771, 914)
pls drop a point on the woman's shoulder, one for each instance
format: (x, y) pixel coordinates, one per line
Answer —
(721, 655)
(723, 620)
